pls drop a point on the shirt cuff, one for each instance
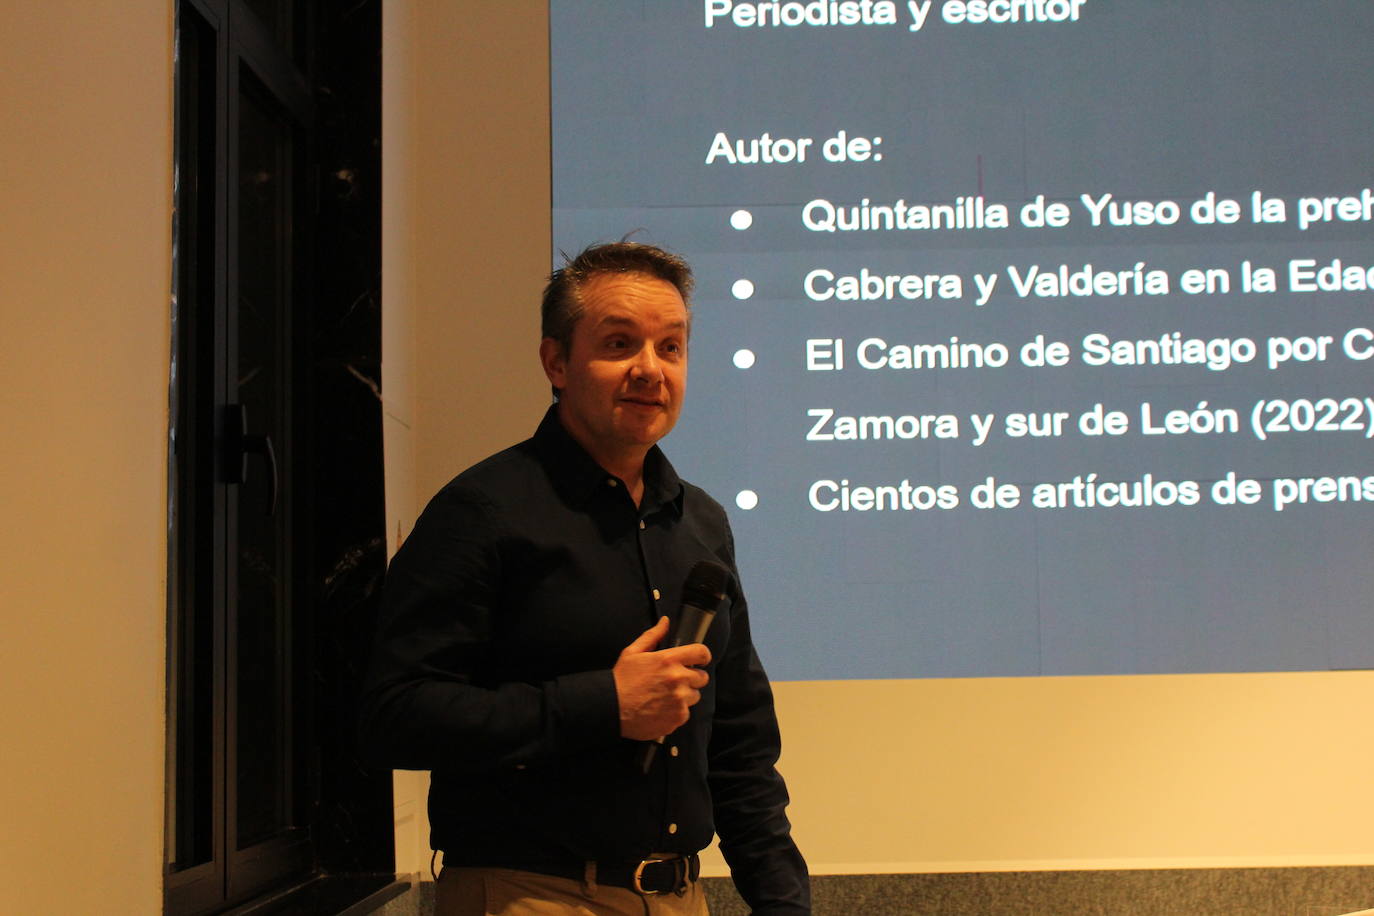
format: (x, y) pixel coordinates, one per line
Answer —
(585, 709)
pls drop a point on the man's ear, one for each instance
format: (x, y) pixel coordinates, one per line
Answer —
(554, 361)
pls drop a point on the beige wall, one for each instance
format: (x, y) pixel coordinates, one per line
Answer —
(85, 193)
(1065, 773)
(465, 245)
(398, 347)
(482, 229)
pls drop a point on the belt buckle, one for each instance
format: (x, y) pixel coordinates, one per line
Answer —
(679, 876)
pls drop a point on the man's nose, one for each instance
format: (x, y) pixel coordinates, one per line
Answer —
(646, 366)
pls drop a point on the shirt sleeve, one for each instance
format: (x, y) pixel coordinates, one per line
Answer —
(422, 706)
(747, 792)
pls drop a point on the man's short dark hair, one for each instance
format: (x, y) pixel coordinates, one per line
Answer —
(563, 304)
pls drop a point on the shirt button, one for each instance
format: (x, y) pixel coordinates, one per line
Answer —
(611, 482)
(641, 524)
(672, 828)
(656, 595)
(672, 751)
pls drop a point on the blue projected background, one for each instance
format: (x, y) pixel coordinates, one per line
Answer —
(1020, 347)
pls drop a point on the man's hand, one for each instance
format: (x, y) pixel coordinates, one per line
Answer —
(657, 689)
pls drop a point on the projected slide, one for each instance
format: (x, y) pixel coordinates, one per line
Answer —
(1032, 337)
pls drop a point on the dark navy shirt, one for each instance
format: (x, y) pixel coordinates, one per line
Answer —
(504, 612)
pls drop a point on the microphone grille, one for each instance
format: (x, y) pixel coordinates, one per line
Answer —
(707, 584)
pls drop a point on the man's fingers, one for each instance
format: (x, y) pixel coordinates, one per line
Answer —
(657, 687)
(691, 681)
(649, 639)
(693, 655)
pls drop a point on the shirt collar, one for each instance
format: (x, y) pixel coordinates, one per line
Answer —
(578, 475)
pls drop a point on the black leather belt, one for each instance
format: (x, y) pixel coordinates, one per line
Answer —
(650, 877)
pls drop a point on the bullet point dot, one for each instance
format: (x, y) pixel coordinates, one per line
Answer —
(742, 289)
(741, 219)
(744, 359)
(746, 499)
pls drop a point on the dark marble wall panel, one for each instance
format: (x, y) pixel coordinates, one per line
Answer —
(1171, 892)
(353, 821)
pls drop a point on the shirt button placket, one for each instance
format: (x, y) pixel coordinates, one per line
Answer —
(653, 592)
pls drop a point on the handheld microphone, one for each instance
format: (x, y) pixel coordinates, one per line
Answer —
(703, 592)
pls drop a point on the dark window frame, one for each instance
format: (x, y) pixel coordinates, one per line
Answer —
(224, 51)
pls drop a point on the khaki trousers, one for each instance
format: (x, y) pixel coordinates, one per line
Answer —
(507, 892)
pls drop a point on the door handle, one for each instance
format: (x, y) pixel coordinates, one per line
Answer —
(238, 444)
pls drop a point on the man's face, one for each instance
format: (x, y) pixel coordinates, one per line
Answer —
(625, 374)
